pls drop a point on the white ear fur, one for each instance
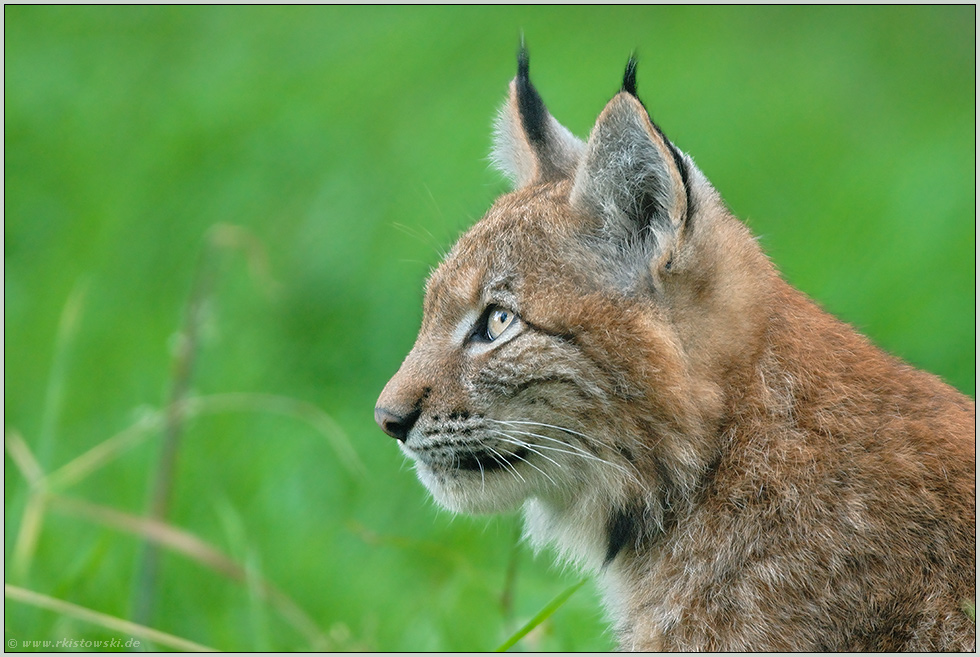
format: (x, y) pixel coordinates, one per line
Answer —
(532, 153)
(628, 177)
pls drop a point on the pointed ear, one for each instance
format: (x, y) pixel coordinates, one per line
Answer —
(530, 146)
(631, 179)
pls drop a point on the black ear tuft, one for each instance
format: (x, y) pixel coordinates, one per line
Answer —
(529, 104)
(529, 145)
(629, 77)
(523, 67)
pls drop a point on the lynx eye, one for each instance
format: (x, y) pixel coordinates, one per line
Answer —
(498, 321)
(493, 323)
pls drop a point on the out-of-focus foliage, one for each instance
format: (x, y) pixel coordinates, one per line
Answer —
(351, 142)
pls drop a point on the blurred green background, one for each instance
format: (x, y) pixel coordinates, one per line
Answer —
(348, 145)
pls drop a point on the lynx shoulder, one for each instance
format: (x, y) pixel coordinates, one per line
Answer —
(609, 349)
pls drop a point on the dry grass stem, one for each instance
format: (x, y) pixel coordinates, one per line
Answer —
(103, 620)
(301, 410)
(33, 519)
(85, 464)
(28, 534)
(196, 550)
(108, 450)
(23, 458)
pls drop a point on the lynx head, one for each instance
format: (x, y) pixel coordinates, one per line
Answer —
(575, 342)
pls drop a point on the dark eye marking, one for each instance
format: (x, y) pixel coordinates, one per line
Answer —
(564, 336)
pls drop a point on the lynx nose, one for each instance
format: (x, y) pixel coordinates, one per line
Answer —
(395, 425)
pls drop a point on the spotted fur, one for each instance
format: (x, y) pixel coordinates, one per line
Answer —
(741, 470)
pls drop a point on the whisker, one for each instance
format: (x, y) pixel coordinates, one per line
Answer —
(546, 475)
(498, 457)
(583, 452)
(578, 452)
(573, 450)
(550, 426)
(587, 438)
(524, 460)
(530, 448)
(553, 449)
(521, 443)
(590, 439)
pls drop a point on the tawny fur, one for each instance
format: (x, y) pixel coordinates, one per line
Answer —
(742, 470)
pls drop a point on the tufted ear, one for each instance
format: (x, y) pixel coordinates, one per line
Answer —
(530, 146)
(631, 178)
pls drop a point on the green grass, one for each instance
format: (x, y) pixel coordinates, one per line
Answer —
(339, 150)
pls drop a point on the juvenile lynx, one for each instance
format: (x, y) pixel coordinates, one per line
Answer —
(610, 349)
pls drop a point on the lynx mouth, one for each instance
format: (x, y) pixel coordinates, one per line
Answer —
(486, 461)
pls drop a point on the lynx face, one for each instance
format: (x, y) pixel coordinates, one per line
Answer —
(552, 367)
(501, 398)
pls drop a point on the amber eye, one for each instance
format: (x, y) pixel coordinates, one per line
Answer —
(498, 320)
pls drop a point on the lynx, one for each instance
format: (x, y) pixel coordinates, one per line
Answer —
(610, 349)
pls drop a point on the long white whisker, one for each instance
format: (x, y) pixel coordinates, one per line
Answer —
(550, 426)
(572, 450)
(590, 439)
(555, 449)
(498, 457)
(483, 481)
(578, 452)
(522, 443)
(546, 475)
(531, 449)
(578, 448)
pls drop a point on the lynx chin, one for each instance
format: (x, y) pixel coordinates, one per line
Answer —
(609, 349)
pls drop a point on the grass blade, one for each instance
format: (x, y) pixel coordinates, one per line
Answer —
(28, 534)
(541, 616)
(103, 620)
(22, 457)
(108, 450)
(54, 394)
(197, 550)
(152, 530)
(33, 519)
(510, 577)
(184, 362)
(243, 402)
(278, 404)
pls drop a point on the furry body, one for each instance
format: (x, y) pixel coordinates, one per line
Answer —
(610, 349)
